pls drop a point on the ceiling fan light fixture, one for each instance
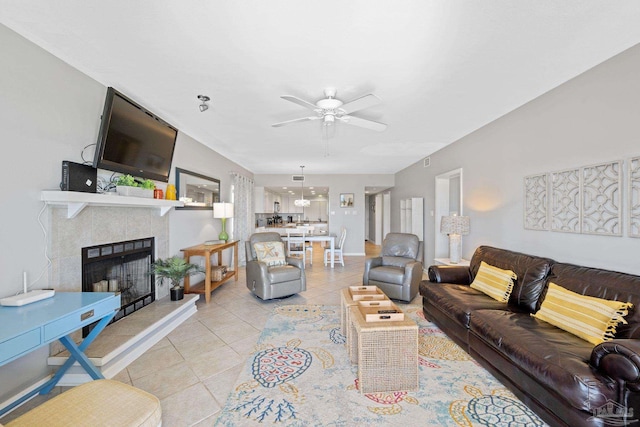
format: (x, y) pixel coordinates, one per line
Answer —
(329, 119)
(331, 109)
(329, 104)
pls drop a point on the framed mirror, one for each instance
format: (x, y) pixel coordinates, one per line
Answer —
(197, 191)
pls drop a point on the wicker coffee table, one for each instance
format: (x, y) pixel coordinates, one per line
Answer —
(386, 353)
(350, 296)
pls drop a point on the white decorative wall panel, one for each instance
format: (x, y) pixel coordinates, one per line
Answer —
(586, 200)
(634, 197)
(565, 201)
(601, 199)
(535, 202)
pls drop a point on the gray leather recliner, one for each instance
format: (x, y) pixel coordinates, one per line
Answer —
(398, 269)
(277, 281)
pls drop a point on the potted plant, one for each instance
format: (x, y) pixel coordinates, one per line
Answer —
(127, 185)
(175, 269)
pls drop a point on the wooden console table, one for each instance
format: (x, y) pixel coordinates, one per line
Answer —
(206, 251)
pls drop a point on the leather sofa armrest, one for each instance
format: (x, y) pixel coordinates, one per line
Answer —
(296, 262)
(413, 270)
(369, 263)
(620, 360)
(257, 272)
(456, 274)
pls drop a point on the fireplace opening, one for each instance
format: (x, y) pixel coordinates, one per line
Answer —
(122, 267)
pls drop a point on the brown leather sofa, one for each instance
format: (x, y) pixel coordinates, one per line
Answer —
(567, 381)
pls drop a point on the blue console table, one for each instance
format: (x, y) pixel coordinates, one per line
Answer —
(26, 328)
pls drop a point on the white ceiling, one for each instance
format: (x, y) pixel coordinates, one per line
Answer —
(442, 68)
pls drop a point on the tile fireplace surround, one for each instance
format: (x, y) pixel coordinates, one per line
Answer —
(98, 225)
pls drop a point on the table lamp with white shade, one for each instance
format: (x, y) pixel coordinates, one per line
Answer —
(223, 211)
(455, 226)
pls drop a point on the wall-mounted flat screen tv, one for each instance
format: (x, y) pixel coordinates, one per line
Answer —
(133, 140)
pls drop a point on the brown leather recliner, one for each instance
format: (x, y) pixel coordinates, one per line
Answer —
(268, 282)
(398, 269)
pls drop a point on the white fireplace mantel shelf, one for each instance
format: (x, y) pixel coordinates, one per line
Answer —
(76, 201)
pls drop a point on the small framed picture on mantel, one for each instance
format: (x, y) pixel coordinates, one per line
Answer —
(346, 200)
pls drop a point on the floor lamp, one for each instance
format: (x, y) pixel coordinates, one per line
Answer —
(455, 226)
(223, 211)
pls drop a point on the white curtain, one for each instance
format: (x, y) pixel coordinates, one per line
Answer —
(244, 218)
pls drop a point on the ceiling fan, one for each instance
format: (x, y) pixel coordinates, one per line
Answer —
(331, 109)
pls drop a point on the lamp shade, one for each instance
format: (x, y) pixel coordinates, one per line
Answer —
(223, 210)
(454, 225)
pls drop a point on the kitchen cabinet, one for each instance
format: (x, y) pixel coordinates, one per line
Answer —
(318, 211)
(269, 199)
(287, 204)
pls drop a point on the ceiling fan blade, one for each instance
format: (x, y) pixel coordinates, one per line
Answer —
(364, 123)
(303, 119)
(299, 101)
(361, 103)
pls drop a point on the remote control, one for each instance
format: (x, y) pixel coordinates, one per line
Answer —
(387, 311)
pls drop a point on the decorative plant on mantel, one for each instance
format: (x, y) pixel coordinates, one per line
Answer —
(129, 181)
(126, 185)
(175, 269)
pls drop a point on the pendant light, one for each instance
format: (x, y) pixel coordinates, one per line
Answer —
(301, 202)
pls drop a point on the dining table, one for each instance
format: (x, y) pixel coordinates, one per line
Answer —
(317, 237)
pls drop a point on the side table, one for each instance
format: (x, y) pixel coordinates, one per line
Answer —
(446, 261)
(207, 251)
(347, 300)
(386, 353)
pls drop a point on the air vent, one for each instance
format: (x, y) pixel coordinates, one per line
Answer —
(297, 178)
(427, 162)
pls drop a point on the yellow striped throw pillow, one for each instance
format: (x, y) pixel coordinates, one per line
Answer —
(593, 319)
(494, 281)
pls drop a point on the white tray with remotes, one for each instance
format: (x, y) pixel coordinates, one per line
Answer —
(27, 298)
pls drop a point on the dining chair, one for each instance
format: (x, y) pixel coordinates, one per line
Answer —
(337, 248)
(308, 246)
(296, 243)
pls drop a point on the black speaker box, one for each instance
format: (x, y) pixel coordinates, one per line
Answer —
(78, 177)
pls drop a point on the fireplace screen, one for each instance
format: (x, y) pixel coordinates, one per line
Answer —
(121, 267)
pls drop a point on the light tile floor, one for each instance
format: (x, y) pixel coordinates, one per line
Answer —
(193, 369)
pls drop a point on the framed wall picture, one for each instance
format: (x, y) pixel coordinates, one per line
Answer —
(346, 200)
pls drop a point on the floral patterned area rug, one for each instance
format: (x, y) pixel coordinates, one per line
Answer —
(300, 375)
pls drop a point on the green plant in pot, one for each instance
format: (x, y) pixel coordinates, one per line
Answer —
(175, 269)
(127, 185)
(126, 181)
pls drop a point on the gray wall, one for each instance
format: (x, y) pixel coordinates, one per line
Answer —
(191, 227)
(591, 119)
(353, 218)
(49, 112)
